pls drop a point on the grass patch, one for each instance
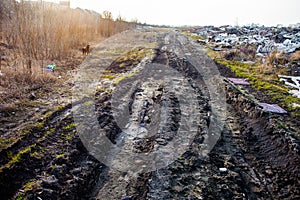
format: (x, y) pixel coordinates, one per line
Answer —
(4, 143)
(39, 126)
(266, 82)
(194, 36)
(60, 155)
(108, 76)
(88, 103)
(20, 196)
(37, 154)
(18, 157)
(129, 60)
(119, 79)
(30, 185)
(133, 56)
(100, 89)
(69, 126)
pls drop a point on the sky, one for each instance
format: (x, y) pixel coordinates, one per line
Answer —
(199, 12)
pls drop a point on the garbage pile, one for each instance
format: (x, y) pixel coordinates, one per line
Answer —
(256, 41)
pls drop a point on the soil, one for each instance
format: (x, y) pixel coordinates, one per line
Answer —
(203, 147)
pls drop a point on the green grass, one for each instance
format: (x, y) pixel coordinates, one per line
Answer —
(69, 126)
(88, 103)
(4, 143)
(108, 76)
(20, 196)
(60, 155)
(27, 187)
(119, 79)
(18, 157)
(193, 36)
(133, 56)
(37, 154)
(269, 84)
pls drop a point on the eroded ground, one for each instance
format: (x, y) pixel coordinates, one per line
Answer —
(152, 93)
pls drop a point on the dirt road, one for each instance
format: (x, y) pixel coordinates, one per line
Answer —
(153, 118)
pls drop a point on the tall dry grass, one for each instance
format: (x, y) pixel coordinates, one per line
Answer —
(40, 32)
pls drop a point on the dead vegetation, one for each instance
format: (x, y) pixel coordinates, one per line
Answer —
(246, 52)
(36, 34)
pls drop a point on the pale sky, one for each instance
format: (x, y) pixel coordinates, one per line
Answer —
(199, 12)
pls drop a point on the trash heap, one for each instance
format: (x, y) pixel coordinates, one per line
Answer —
(279, 45)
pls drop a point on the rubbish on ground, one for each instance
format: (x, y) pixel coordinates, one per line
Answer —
(126, 198)
(223, 169)
(272, 108)
(293, 82)
(295, 105)
(50, 67)
(264, 39)
(239, 81)
(32, 96)
(295, 93)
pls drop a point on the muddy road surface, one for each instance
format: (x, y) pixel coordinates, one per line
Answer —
(152, 118)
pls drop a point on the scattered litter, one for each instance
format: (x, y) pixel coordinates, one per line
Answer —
(239, 81)
(293, 82)
(223, 169)
(272, 108)
(295, 93)
(126, 198)
(249, 62)
(295, 105)
(264, 39)
(203, 42)
(50, 67)
(32, 96)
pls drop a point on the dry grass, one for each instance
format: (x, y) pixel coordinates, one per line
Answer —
(276, 58)
(37, 34)
(18, 85)
(245, 52)
(295, 56)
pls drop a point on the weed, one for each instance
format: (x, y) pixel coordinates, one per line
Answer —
(39, 126)
(18, 157)
(107, 76)
(4, 143)
(119, 79)
(89, 103)
(60, 155)
(69, 126)
(20, 196)
(54, 166)
(28, 186)
(100, 89)
(36, 154)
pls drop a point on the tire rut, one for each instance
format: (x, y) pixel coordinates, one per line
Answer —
(177, 131)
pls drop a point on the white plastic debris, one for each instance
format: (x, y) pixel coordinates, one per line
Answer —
(223, 169)
(295, 93)
(295, 105)
(293, 82)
